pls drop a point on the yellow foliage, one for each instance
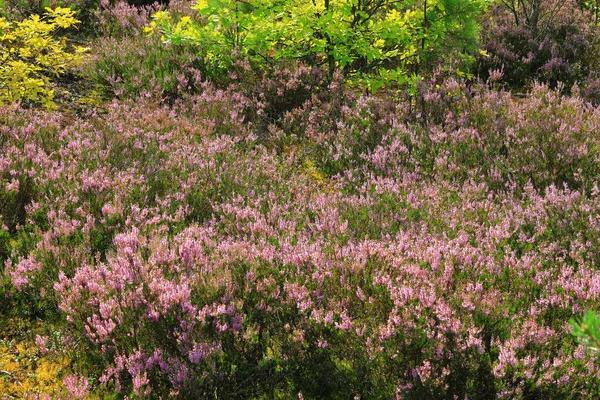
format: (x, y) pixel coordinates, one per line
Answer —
(93, 98)
(313, 173)
(30, 55)
(62, 17)
(48, 374)
(25, 371)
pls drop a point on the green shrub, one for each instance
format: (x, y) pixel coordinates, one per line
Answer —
(587, 330)
(375, 42)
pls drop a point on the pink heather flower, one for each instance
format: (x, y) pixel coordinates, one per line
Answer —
(198, 353)
(222, 327)
(109, 209)
(12, 185)
(77, 386)
(423, 372)
(20, 273)
(236, 322)
(346, 324)
(40, 341)
(99, 328)
(140, 382)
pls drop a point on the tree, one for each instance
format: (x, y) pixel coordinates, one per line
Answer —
(374, 41)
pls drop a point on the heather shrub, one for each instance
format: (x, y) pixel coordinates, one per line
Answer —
(182, 8)
(548, 42)
(117, 19)
(455, 131)
(127, 63)
(275, 92)
(269, 240)
(126, 67)
(33, 204)
(30, 55)
(543, 139)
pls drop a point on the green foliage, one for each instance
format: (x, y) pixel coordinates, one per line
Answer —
(587, 330)
(375, 42)
(30, 55)
(592, 5)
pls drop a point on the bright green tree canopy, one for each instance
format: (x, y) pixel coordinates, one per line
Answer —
(371, 40)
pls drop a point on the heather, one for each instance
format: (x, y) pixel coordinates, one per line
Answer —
(276, 230)
(554, 42)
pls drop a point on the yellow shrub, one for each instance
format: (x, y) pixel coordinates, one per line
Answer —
(30, 55)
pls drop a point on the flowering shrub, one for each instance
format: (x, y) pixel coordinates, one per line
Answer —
(126, 67)
(126, 63)
(117, 19)
(428, 247)
(559, 45)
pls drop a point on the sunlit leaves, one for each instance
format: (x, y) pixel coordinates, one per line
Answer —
(30, 54)
(587, 330)
(63, 17)
(363, 39)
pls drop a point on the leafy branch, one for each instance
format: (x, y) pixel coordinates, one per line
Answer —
(587, 330)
